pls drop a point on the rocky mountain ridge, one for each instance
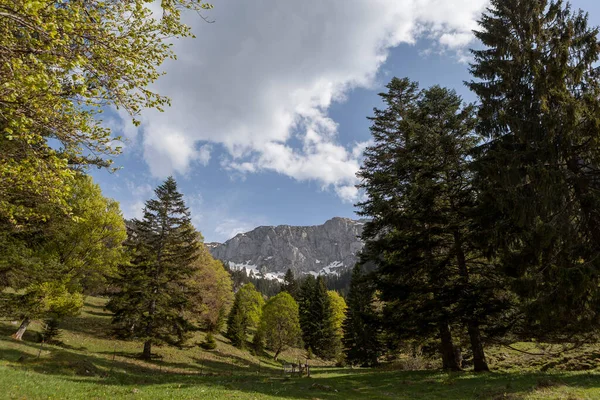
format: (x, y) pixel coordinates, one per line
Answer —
(269, 251)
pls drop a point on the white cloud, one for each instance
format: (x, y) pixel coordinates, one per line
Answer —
(135, 210)
(260, 81)
(455, 40)
(204, 154)
(140, 191)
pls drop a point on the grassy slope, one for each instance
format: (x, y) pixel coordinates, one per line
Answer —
(89, 365)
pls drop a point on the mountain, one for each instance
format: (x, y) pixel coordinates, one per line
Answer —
(270, 250)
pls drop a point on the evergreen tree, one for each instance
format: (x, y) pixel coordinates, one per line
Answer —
(245, 314)
(538, 84)
(327, 344)
(51, 331)
(420, 198)
(290, 284)
(317, 319)
(258, 342)
(154, 293)
(361, 325)
(305, 298)
(209, 342)
(236, 331)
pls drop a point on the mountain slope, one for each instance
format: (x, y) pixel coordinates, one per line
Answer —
(271, 250)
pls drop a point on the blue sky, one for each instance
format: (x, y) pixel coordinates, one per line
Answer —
(269, 110)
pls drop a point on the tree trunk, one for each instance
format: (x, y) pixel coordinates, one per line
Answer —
(147, 354)
(277, 354)
(479, 361)
(449, 354)
(21, 331)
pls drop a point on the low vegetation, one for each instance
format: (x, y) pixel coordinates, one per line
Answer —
(87, 363)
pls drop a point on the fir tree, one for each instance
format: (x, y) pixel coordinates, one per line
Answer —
(420, 198)
(258, 342)
(209, 342)
(153, 294)
(236, 332)
(245, 314)
(538, 84)
(305, 298)
(290, 284)
(51, 332)
(361, 325)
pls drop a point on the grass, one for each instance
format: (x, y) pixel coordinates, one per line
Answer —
(90, 365)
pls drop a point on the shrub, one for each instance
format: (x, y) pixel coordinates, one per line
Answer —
(51, 331)
(209, 342)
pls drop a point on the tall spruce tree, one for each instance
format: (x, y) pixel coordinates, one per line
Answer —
(236, 330)
(361, 326)
(154, 295)
(307, 324)
(537, 170)
(420, 198)
(327, 343)
(317, 319)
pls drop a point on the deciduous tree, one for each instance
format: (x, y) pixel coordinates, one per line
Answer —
(212, 289)
(279, 323)
(61, 64)
(338, 308)
(70, 255)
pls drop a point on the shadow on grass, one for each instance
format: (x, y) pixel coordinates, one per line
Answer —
(89, 304)
(88, 323)
(105, 314)
(327, 383)
(6, 331)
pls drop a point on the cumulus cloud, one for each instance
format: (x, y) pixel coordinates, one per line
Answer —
(259, 82)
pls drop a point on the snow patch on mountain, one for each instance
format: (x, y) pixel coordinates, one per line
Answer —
(270, 251)
(254, 270)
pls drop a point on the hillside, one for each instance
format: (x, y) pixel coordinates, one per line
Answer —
(89, 364)
(270, 250)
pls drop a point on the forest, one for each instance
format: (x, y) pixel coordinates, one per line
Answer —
(482, 238)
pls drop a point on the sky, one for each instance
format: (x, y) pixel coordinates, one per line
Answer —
(270, 103)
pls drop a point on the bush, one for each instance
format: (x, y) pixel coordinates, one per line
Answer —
(258, 342)
(341, 361)
(51, 331)
(209, 342)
